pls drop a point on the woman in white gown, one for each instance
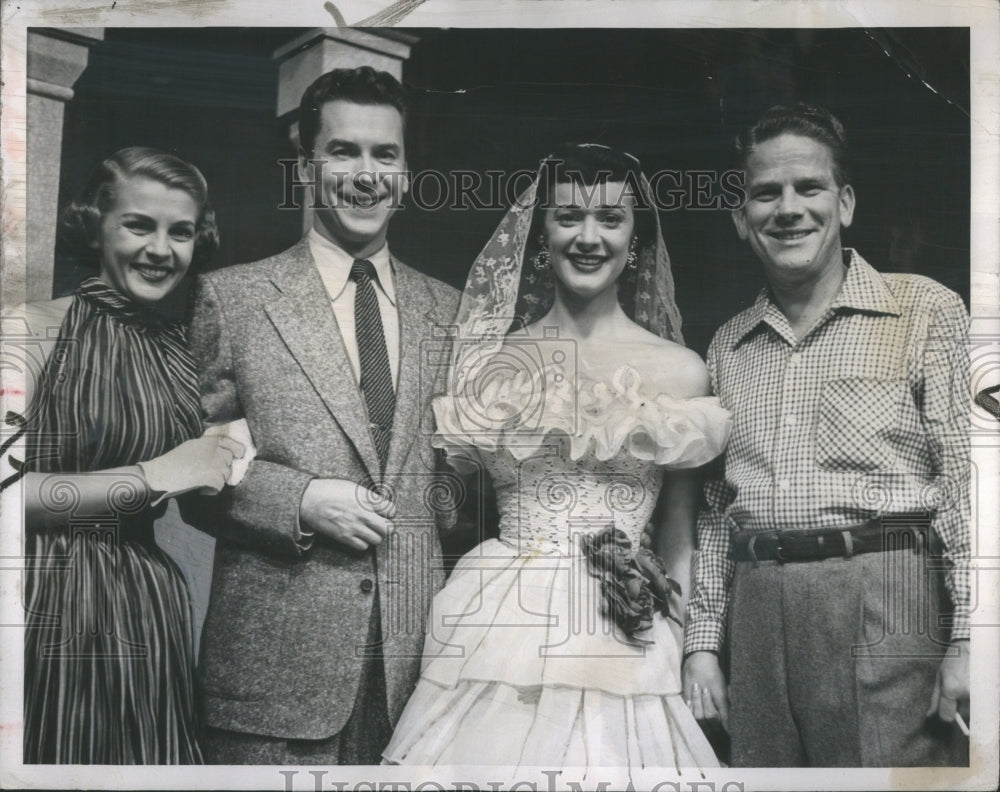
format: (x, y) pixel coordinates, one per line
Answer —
(571, 390)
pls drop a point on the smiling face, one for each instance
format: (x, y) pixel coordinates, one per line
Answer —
(588, 231)
(146, 238)
(794, 209)
(360, 148)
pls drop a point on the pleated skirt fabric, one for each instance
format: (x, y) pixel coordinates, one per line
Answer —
(108, 665)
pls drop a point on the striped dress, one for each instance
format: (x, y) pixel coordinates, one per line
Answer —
(108, 662)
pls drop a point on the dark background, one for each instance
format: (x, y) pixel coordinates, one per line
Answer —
(501, 99)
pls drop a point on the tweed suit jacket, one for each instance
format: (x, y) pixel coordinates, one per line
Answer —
(286, 629)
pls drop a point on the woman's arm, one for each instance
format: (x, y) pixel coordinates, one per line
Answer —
(203, 463)
(49, 498)
(674, 535)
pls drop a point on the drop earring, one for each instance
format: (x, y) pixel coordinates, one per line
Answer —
(541, 258)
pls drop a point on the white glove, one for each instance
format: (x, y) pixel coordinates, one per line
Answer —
(203, 463)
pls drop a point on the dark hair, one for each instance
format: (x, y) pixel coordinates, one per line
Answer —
(810, 121)
(589, 164)
(79, 224)
(586, 164)
(363, 85)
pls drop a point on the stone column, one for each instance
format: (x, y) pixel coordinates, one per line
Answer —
(56, 59)
(317, 51)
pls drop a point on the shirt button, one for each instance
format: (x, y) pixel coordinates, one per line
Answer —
(784, 484)
(793, 360)
(791, 420)
(367, 585)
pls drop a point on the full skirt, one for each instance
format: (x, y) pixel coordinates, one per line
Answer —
(521, 669)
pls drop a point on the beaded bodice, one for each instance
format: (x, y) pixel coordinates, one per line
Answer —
(568, 455)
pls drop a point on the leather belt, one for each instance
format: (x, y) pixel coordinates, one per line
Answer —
(880, 534)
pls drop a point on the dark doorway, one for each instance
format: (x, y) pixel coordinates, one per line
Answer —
(500, 99)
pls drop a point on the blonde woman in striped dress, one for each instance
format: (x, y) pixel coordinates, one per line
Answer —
(113, 429)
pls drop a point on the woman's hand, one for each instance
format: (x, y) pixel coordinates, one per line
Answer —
(203, 463)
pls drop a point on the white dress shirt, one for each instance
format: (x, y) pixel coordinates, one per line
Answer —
(334, 265)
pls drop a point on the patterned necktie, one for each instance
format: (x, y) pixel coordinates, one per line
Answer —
(376, 376)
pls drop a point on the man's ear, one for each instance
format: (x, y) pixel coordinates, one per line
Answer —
(404, 180)
(846, 205)
(301, 165)
(741, 223)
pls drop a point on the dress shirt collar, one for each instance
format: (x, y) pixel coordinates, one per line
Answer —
(334, 265)
(863, 290)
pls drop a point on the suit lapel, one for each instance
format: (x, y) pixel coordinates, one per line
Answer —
(303, 317)
(415, 305)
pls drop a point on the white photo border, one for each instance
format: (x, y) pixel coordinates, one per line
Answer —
(981, 17)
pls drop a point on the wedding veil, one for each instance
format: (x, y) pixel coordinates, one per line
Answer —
(505, 291)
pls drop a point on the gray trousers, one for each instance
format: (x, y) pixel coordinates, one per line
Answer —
(832, 663)
(360, 742)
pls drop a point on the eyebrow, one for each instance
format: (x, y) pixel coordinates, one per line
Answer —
(335, 142)
(578, 205)
(144, 216)
(136, 216)
(817, 178)
(601, 208)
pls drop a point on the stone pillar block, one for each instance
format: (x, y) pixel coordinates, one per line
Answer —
(56, 59)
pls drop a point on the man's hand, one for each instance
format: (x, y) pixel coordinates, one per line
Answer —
(705, 688)
(951, 688)
(346, 512)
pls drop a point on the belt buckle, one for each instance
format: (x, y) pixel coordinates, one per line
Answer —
(779, 549)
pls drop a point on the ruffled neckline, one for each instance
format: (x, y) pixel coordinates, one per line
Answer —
(622, 413)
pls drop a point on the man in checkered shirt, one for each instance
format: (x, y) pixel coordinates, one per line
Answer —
(835, 542)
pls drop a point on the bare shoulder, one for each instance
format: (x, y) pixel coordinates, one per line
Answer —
(687, 371)
(682, 370)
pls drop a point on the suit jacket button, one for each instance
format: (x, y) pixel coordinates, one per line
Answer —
(367, 585)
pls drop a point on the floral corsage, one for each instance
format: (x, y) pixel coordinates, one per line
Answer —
(634, 584)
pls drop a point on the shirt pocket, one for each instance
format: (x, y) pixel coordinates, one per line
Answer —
(858, 416)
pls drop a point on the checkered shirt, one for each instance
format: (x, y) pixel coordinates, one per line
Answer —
(868, 413)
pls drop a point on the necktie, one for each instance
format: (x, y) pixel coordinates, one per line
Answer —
(376, 376)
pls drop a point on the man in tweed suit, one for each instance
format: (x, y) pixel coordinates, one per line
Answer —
(327, 556)
(845, 490)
